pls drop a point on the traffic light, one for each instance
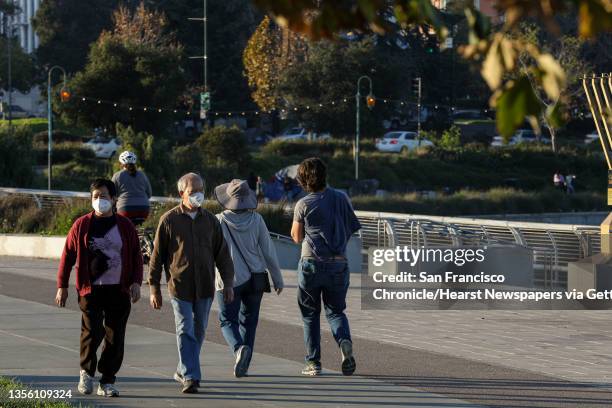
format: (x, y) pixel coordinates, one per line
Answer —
(370, 101)
(416, 86)
(64, 95)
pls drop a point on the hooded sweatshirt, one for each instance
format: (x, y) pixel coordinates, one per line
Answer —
(250, 232)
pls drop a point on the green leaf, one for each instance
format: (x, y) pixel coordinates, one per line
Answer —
(514, 103)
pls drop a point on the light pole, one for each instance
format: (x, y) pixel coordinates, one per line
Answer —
(370, 104)
(64, 95)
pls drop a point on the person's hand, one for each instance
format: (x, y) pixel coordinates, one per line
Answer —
(61, 296)
(135, 292)
(278, 290)
(156, 300)
(228, 295)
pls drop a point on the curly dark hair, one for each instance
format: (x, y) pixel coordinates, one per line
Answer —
(312, 174)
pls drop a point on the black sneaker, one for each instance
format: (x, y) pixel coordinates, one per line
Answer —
(189, 387)
(243, 356)
(348, 361)
(312, 368)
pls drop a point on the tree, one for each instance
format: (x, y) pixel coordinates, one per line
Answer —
(567, 50)
(269, 51)
(495, 52)
(66, 28)
(226, 148)
(330, 73)
(23, 73)
(230, 24)
(137, 65)
(153, 157)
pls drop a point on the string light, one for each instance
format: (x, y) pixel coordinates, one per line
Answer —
(285, 110)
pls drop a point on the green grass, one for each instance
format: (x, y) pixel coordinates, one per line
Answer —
(494, 201)
(36, 125)
(8, 384)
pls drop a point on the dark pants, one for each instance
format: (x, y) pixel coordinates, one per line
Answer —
(327, 281)
(239, 318)
(105, 314)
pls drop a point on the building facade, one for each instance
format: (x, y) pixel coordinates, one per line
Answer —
(20, 26)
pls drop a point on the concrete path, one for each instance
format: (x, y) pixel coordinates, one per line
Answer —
(39, 346)
(500, 359)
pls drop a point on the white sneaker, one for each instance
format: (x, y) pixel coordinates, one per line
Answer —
(85, 383)
(108, 390)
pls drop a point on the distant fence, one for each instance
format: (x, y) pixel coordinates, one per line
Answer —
(553, 245)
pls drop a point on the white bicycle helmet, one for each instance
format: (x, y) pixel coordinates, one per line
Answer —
(127, 157)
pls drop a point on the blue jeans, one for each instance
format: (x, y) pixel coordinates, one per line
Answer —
(239, 318)
(191, 319)
(328, 281)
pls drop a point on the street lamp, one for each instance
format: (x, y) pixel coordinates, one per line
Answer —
(64, 95)
(371, 101)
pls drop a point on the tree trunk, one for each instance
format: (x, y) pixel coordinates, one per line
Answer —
(553, 138)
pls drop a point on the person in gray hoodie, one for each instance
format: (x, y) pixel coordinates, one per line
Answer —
(253, 254)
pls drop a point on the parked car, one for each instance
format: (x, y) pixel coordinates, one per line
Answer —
(521, 136)
(468, 115)
(104, 147)
(591, 137)
(301, 133)
(17, 112)
(400, 141)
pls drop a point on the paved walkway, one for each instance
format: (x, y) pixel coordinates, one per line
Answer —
(39, 346)
(494, 358)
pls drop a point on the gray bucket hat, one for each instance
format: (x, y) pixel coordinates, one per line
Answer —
(236, 195)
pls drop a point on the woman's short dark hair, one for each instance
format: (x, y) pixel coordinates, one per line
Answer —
(102, 182)
(312, 174)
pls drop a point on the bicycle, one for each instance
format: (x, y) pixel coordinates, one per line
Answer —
(145, 239)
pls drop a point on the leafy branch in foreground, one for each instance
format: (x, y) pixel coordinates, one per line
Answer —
(514, 96)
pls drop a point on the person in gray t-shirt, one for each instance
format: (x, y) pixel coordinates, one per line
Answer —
(323, 222)
(133, 189)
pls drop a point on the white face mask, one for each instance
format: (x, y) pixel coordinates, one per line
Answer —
(101, 205)
(196, 199)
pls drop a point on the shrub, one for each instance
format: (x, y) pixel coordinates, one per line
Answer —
(16, 157)
(154, 157)
(42, 138)
(76, 175)
(11, 208)
(65, 215)
(63, 152)
(451, 138)
(274, 216)
(32, 220)
(494, 201)
(225, 147)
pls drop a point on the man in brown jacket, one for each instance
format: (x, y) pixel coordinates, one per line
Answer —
(188, 243)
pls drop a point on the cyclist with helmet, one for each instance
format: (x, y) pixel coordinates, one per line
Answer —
(133, 189)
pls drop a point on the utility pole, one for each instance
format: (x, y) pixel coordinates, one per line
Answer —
(418, 84)
(205, 95)
(9, 37)
(64, 95)
(370, 102)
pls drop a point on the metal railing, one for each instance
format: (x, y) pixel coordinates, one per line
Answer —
(553, 245)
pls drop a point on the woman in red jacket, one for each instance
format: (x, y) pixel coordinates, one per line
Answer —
(105, 249)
